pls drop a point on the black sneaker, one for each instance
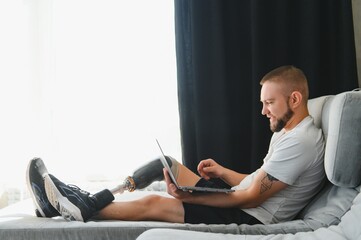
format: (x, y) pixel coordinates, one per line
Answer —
(35, 173)
(73, 203)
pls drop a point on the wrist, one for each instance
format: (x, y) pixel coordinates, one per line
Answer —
(223, 174)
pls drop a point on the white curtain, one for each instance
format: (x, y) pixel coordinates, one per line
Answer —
(87, 85)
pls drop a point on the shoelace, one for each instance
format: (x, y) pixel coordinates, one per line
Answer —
(74, 187)
(89, 196)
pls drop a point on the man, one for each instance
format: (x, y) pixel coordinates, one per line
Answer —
(291, 175)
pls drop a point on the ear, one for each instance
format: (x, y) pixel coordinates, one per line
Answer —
(295, 99)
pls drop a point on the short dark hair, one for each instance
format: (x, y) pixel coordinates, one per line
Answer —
(291, 77)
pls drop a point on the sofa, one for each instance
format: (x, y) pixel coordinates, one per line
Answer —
(334, 213)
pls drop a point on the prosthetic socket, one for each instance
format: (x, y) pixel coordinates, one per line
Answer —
(145, 175)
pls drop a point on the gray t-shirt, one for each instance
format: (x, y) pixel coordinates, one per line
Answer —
(295, 158)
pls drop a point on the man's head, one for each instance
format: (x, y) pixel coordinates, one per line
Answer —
(284, 95)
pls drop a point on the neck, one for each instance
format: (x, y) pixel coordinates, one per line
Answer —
(296, 119)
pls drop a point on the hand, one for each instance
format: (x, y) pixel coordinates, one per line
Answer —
(172, 189)
(210, 169)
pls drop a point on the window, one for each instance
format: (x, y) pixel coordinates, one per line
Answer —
(87, 85)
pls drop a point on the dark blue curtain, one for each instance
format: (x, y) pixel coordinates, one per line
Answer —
(224, 47)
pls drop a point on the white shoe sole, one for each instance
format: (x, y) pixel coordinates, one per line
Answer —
(32, 194)
(67, 209)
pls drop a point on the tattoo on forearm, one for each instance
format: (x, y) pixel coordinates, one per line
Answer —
(266, 183)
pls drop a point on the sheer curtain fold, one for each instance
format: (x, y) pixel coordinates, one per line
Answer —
(87, 86)
(223, 50)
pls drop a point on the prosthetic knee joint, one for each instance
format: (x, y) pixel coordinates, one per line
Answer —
(147, 174)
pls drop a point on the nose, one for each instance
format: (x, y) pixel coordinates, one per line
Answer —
(265, 110)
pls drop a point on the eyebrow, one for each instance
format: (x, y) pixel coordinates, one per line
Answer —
(267, 100)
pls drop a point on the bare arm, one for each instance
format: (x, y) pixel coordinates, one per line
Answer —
(263, 187)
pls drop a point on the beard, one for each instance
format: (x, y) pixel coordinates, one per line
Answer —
(281, 122)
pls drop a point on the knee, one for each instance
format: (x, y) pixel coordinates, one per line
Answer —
(151, 200)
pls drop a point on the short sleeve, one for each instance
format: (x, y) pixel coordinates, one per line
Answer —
(290, 158)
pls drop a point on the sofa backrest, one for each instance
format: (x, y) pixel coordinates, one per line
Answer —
(315, 107)
(339, 116)
(341, 126)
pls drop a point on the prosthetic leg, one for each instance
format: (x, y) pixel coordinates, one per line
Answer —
(145, 175)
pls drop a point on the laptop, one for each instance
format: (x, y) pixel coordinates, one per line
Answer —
(188, 188)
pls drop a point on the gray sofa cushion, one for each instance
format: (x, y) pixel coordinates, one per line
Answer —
(315, 107)
(341, 124)
(326, 209)
(328, 206)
